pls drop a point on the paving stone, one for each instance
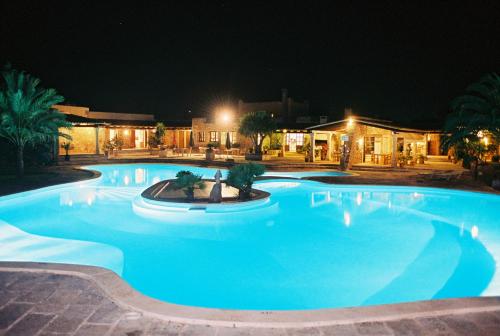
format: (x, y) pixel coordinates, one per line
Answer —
(6, 278)
(90, 297)
(44, 307)
(339, 330)
(38, 293)
(252, 331)
(29, 325)
(70, 319)
(405, 327)
(64, 296)
(373, 328)
(69, 282)
(198, 330)
(26, 281)
(127, 327)
(6, 296)
(108, 312)
(88, 329)
(484, 319)
(461, 326)
(303, 331)
(433, 326)
(160, 328)
(11, 312)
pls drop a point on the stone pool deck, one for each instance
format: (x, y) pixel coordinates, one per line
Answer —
(45, 301)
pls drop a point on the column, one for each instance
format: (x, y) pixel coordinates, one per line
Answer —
(329, 144)
(283, 143)
(312, 157)
(425, 144)
(97, 139)
(394, 158)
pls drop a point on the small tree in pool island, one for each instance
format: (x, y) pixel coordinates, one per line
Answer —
(256, 126)
(242, 177)
(188, 182)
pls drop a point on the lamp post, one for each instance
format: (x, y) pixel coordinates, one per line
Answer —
(226, 115)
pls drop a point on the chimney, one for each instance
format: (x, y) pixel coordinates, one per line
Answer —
(284, 103)
(347, 112)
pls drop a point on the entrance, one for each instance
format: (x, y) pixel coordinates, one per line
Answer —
(140, 138)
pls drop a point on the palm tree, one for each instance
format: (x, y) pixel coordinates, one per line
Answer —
(26, 113)
(478, 109)
(474, 113)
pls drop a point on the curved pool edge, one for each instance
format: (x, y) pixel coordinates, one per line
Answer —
(125, 296)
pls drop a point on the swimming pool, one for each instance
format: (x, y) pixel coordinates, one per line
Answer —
(312, 246)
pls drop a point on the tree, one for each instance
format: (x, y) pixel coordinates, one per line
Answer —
(26, 113)
(242, 177)
(256, 126)
(474, 115)
(188, 182)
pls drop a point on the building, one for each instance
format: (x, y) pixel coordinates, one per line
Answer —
(371, 141)
(292, 118)
(92, 129)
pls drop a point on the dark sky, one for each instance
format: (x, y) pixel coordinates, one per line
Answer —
(394, 59)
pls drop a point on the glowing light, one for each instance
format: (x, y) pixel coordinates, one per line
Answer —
(486, 141)
(90, 200)
(126, 180)
(359, 199)
(350, 122)
(474, 231)
(347, 219)
(126, 132)
(360, 142)
(389, 205)
(480, 134)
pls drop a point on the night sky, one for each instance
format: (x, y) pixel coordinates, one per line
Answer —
(402, 60)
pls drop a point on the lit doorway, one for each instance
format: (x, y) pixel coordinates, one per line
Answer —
(140, 138)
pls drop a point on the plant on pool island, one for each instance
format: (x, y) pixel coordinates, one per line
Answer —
(188, 182)
(26, 113)
(256, 126)
(242, 177)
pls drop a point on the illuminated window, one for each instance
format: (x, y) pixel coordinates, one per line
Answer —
(232, 136)
(201, 136)
(369, 145)
(214, 136)
(298, 138)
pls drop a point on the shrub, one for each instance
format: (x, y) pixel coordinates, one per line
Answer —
(188, 182)
(242, 177)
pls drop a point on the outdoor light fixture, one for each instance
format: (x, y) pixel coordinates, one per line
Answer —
(350, 122)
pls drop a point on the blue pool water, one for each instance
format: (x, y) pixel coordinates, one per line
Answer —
(311, 246)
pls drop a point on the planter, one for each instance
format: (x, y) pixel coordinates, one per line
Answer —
(209, 155)
(163, 153)
(257, 157)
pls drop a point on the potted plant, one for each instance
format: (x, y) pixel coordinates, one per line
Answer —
(307, 151)
(118, 142)
(210, 153)
(401, 160)
(242, 177)
(66, 146)
(188, 182)
(109, 147)
(421, 159)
